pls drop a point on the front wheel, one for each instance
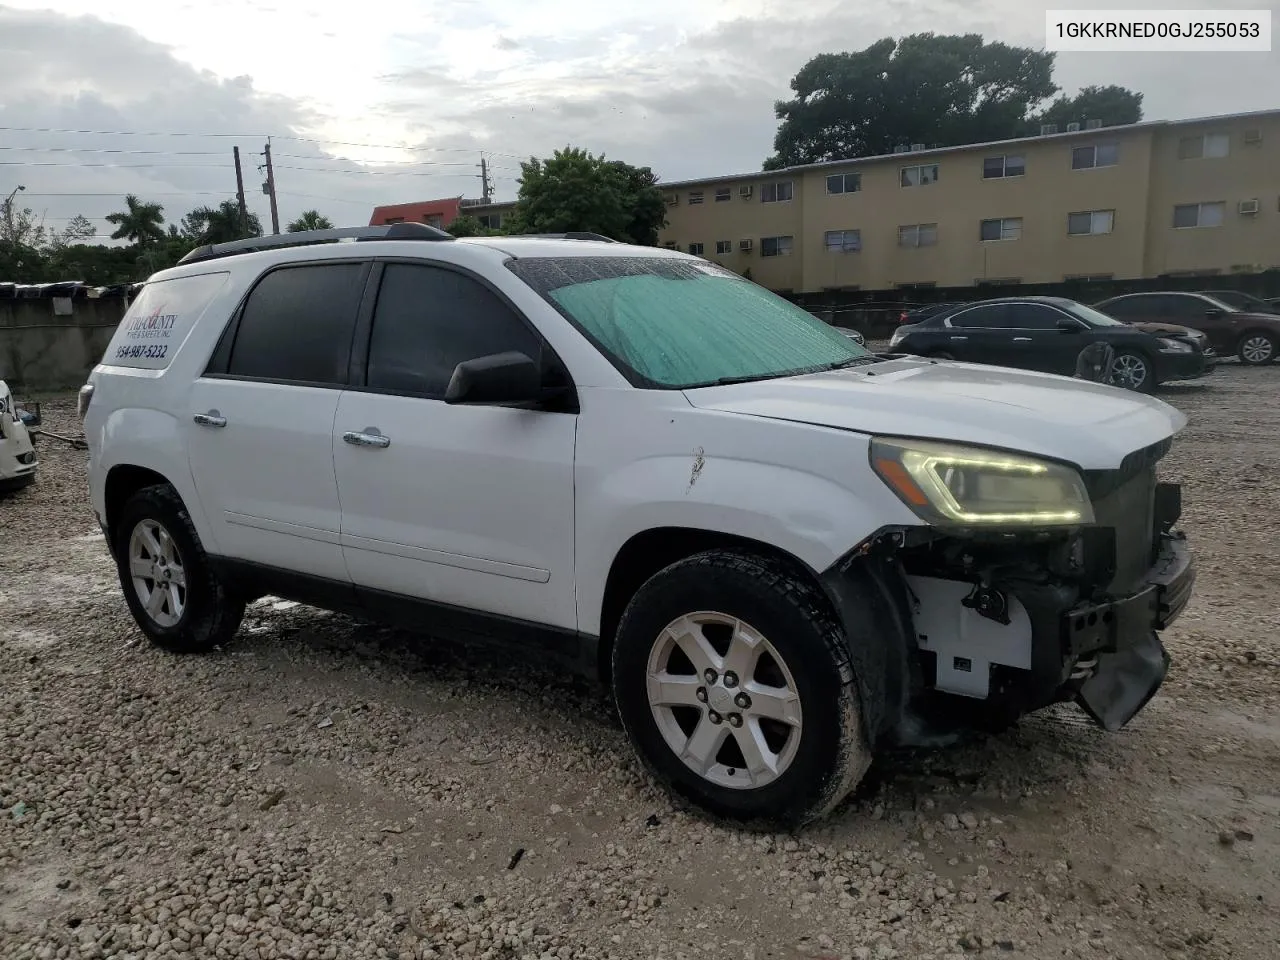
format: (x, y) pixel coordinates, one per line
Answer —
(1132, 371)
(732, 678)
(172, 591)
(1257, 348)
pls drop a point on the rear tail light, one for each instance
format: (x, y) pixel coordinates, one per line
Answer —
(83, 398)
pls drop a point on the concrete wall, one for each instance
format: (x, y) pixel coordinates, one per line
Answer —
(43, 351)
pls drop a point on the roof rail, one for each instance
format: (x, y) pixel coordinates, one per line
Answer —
(392, 231)
(571, 235)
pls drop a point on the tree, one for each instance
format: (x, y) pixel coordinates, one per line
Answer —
(79, 228)
(310, 220)
(219, 224)
(924, 88)
(575, 191)
(469, 226)
(1114, 106)
(139, 223)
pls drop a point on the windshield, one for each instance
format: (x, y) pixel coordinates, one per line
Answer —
(1216, 301)
(684, 323)
(1094, 318)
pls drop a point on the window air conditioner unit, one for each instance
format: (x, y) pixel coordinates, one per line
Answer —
(1253, 136)
(746, 192)
(1073, 128)
(1093, 125)
(1048, 128)
(746, 245)
(1247, 208)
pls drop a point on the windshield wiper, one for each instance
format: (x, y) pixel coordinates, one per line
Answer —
(747, 378)
(852, 362)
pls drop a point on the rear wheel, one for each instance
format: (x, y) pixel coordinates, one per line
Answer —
(732, 678)
(1256, 348)
(1132, 371)
(172, 590)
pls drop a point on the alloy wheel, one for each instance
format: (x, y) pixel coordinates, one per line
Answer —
(159, 579)
(724, 700)
(1129, 371)
(1257, 349)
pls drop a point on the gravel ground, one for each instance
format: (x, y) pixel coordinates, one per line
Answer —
(327, 789)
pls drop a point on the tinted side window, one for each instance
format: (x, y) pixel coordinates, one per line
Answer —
(428, 320)
(297, 324)
(1129, 307)
(1034, 316)
(996, 315)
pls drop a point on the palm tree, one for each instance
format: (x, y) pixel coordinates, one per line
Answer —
(220, 224)
(310, 220)
(141, 223)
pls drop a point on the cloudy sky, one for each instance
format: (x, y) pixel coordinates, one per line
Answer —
(394, 100)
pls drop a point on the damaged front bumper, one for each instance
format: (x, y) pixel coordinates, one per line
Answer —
(984, 631)
(17, 454)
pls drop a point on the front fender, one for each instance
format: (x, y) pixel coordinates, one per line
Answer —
(794, 509)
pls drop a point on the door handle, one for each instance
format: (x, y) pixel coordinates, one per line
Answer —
(210, 419)
(1021, 339)
(959, 338)
(366, 439)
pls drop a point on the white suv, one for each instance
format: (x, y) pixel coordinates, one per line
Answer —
(780, 551)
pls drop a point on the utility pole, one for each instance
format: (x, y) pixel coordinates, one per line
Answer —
(244, 213)
(486, 190)
(269, 188)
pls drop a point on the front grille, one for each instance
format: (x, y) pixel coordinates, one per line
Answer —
(1124, 499)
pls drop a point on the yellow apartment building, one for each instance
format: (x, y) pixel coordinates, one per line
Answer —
(1156, 198)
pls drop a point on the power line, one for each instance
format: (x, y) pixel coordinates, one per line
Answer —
(126, 133)
(159, 153)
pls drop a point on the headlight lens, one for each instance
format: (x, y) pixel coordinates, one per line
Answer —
(957, 486)
(1173, 346)
(895, 339)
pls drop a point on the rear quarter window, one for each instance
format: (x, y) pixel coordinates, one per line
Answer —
(159, 321)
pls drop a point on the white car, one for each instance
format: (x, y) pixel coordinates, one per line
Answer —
(780, 552)
(18, 461)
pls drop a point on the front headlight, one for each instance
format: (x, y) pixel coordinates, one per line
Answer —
(895, 339)
(1173, 346)
(956, 486)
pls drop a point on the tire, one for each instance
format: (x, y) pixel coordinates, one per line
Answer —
(812, 759)
(1258, 347)
(1131, 370)
(16, 483)
(207, 614)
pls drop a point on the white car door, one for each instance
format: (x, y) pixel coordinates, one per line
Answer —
(260, 421)
(466, 506)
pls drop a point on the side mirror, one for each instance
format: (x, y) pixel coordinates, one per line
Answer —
(1069, 326)
(498, 378)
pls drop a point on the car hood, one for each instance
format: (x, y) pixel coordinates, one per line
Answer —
(1089, 424)
(1166, 329)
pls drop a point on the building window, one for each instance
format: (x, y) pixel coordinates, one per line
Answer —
(723, 194)
(1199, 214)
(997, 282)
(491, 221)
(1090, 222)
(844, 183)
(695, 196)
(1095, 155)
(993, 168)
(843, 241)
(918, 235)
(434, 220)
(918, 285)
(778, 192)
(1207, 145)
(673, 199)
(919, 176)
(724, 246)
(394, 220)
(670, 244)
(696, 249)
(775, 246)
(1088, 277)
(1008, 228)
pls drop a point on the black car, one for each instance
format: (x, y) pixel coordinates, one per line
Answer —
(1048, 334)
(1243, 301)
